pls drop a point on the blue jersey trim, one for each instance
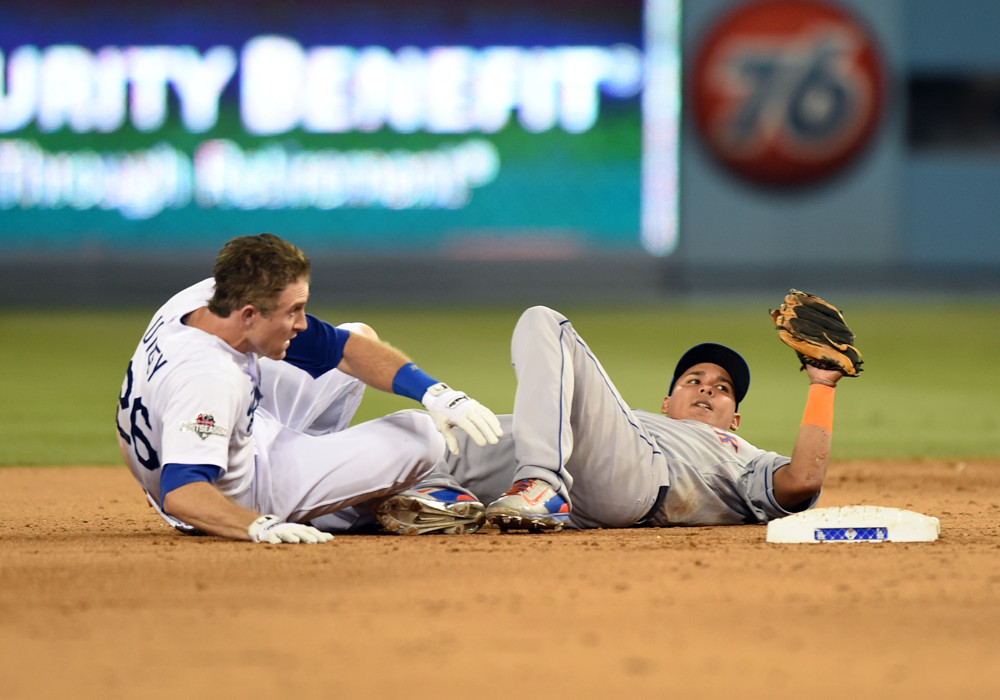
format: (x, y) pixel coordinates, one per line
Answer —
(319, 348)
(173, 476)
(412, 382)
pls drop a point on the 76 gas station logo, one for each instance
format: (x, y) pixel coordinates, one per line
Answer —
(786, 92)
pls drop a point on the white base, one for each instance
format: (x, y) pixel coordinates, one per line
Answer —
(854, 524)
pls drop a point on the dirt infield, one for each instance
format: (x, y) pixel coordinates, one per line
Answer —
(99, 599)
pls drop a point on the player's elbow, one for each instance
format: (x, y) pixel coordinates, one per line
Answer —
(174, 503)
(793, 487)
(806, 491)
(187, 501)
(808, 484)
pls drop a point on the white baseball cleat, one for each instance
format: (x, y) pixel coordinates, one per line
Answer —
(430, 510)
(530, 504)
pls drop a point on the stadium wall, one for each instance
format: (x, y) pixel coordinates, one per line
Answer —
(908, 214)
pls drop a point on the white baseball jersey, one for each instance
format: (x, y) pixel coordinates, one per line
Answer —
(277, 435)
(188, 398)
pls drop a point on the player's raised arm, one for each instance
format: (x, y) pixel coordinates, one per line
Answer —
(816, 330)
(802, 479)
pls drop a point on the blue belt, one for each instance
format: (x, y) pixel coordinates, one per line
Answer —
(660, 496)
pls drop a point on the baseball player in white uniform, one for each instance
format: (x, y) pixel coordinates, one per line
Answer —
(234, 412)
(578, 456)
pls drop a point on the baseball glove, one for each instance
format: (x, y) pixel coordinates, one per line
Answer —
(816, 330)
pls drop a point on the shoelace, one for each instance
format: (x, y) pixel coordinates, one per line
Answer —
(522, 485)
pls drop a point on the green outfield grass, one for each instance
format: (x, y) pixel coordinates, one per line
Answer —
(930, 382)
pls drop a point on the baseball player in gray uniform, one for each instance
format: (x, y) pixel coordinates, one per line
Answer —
(578, 456)
(233, 414)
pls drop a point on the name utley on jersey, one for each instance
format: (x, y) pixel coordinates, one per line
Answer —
(188, 398)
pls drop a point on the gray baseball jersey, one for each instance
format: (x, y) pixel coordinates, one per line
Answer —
(618, 467)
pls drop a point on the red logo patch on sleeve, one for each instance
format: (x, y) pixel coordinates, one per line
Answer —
(204, 425)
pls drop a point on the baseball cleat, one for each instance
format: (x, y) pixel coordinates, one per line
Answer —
(430, 510)
(530, 504)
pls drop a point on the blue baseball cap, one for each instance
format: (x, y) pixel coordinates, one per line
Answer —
(727, 358)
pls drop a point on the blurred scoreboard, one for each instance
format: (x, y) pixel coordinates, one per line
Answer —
(479, 129)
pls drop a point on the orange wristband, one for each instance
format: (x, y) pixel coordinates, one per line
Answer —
(819, 407)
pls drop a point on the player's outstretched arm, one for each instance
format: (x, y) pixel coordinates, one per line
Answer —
(202, 505)
(802, 479)
(371, 360)
(382, 366)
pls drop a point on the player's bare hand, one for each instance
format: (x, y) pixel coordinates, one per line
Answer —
(829, 377)
(271, 529)
(450, 408)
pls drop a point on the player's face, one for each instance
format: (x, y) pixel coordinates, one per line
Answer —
(704, 393)
(270, 335)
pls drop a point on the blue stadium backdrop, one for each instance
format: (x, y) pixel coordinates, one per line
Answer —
(485, 128)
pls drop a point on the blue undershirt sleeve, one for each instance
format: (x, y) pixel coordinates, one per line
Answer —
(173, 476)
(317, 349)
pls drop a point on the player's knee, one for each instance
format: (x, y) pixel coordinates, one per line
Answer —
(538, 318)
(420, 436)
(429, 447)
(432, 437)
(535, 313)
(360, 329)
